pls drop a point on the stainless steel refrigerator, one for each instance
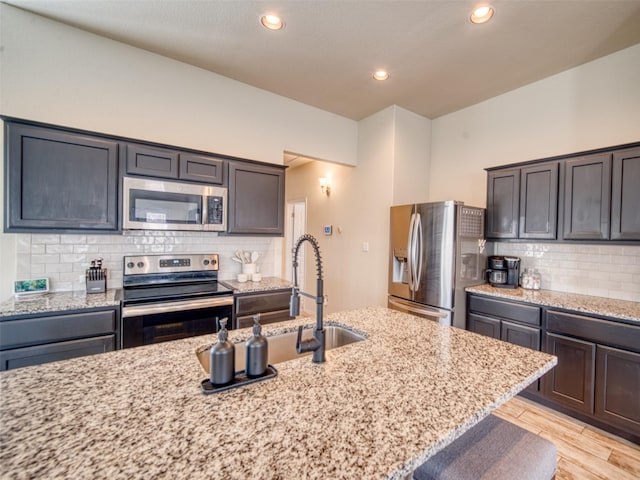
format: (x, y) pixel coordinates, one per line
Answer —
(436, 250)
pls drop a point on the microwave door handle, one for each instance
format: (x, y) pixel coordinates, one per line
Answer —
(410, 251)
(419, 251)
(205, 209)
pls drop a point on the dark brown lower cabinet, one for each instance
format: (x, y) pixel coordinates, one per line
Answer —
(487, 326)
(27, 340)
(520, 335)
(571, 382)
(509, 321)
(618, 387)
(273, 306)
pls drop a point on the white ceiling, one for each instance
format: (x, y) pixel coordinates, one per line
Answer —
(325, 56)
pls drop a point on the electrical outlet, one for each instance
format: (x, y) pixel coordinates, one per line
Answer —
(365, 247)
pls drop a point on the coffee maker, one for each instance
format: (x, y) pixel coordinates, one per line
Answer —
(503, 272)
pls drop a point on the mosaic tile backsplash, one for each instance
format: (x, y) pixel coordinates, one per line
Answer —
(64, 258)
(611, 271)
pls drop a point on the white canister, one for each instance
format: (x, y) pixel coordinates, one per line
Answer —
(249, 269)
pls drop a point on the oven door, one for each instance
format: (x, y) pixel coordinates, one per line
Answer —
(160, 322)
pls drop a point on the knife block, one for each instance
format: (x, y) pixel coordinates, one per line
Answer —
(96, 280)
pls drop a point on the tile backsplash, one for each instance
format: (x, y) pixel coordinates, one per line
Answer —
(601, 270)
(64, 258)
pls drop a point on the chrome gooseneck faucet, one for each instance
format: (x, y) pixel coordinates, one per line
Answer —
(315, 344)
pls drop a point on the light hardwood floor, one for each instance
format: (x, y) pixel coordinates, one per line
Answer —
(584, 452)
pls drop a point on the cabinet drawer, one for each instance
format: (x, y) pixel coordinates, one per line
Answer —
(39, 330)
(263, 302)
(510, 311)
(599, 331)
(265, 318)
(25, 357)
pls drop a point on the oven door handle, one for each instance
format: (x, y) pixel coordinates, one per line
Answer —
(138, 310)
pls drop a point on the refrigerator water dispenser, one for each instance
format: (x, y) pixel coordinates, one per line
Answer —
(400, 273)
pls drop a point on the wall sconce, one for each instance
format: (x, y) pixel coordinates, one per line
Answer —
(325, 186)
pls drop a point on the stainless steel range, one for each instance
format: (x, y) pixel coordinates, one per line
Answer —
(167, 297)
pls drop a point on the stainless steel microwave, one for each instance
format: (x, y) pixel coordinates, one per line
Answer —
(166, 205)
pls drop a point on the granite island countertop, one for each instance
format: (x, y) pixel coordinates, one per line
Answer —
(376, 409)
(59, 301)
(601, 306)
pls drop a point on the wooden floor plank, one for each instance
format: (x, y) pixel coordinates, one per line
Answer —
(606, 438)
(584, 452)
(591, 463)
(568, 470)
(536, 429)
(627, 462)
(513, 408)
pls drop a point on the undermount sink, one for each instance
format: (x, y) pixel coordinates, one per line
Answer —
(283, 347)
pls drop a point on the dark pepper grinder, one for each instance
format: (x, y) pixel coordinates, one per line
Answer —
(222, 358)
(257, 351)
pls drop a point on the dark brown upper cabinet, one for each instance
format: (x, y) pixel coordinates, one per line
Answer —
(587, 197)
(625, 195)
(539, 201)
(59, 181)
(172, 164)
(256, 199)
(201, 168)
(523, 202)
(150, 161)
(503, 195)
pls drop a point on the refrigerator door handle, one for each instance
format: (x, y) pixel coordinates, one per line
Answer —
(410, 241)
(419, 251)
(424, 310)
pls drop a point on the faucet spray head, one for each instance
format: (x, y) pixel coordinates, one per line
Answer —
(294, 304)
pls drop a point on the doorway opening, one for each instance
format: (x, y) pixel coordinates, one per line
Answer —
(295, 226)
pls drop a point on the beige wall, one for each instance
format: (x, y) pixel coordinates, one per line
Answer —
(591, 106)
(358, 211)
(393, 162)
(58, 74)
(411, 157)
(54, 73)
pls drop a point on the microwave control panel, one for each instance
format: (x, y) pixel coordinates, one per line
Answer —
(215, 209)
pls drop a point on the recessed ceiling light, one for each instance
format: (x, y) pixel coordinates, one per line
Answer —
(482, 14)
(381, 75)
(272, 22)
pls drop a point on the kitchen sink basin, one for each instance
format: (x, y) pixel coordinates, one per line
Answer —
(283, 347)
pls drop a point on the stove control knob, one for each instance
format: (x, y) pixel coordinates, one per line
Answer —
(206, 262)
(130, 265)
(213, 261)
(140, 264)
